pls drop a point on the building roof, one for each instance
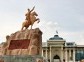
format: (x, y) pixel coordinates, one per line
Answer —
(70, 44)
(56, 37)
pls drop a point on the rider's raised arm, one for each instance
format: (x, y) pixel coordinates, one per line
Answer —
(32, 9)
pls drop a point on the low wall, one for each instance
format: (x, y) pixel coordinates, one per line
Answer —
(19, 58)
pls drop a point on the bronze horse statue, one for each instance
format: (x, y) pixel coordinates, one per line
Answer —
(33, 19)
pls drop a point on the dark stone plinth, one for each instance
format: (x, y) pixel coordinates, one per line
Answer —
(19, 58)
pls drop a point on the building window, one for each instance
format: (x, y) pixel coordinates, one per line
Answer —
(70, 44)
(79, 55)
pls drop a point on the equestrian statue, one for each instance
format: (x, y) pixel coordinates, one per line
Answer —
(30, 19)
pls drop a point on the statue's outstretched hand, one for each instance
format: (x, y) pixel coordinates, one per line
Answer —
(34, 7)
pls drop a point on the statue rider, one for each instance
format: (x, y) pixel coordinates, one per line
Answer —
(28, 14)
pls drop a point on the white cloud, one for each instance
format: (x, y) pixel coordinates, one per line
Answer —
(48, 28)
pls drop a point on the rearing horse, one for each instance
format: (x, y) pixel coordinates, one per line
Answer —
(31, 21)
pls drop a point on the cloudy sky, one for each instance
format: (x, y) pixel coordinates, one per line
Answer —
(65, 16)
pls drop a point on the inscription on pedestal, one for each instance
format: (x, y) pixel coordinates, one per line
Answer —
(19, 44)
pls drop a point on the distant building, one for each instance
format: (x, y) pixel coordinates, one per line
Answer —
(56, 49)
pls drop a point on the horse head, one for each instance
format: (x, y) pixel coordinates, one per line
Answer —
(34, 13)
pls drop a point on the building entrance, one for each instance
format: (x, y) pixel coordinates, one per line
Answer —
(56, 58)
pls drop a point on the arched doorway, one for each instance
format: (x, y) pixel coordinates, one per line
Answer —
(56, 58)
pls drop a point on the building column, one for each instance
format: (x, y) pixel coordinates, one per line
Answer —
(61, 54)
(69, 55)
(66, 55)
(46, 53)
(50, 53)
(42, 52)
(73, 55)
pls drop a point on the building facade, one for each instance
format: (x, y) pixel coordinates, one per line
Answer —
(56, 49)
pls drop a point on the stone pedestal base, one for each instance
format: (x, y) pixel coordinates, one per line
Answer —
(20, 58)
